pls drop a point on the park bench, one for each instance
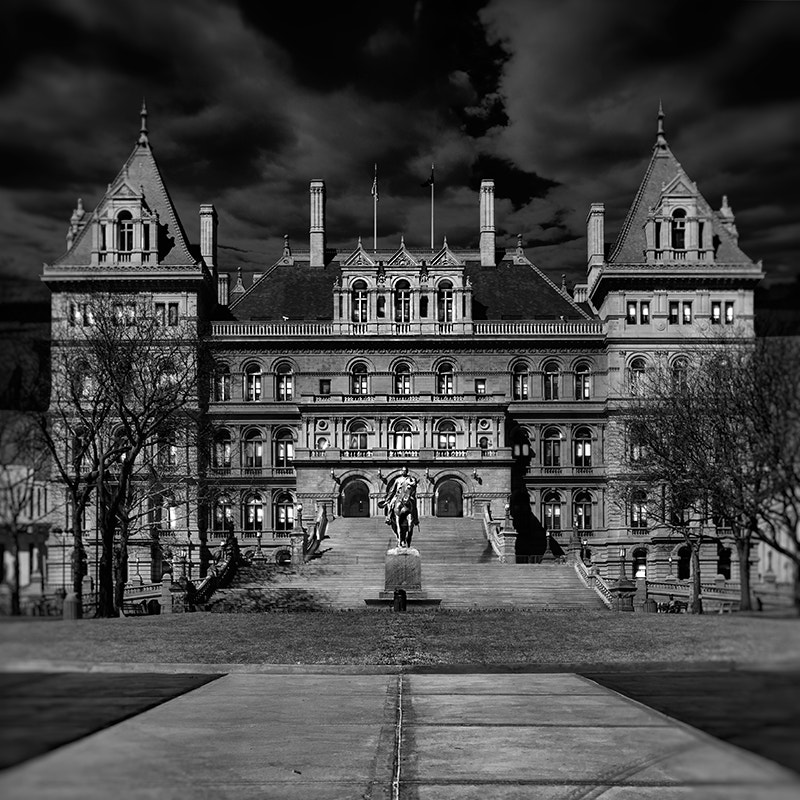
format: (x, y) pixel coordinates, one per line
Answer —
(135, 608)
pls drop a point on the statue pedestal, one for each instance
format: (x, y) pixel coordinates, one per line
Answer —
(403, 571)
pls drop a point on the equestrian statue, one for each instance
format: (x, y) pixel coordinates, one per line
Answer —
(400, 507)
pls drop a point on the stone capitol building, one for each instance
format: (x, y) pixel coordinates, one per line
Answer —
(332, 369)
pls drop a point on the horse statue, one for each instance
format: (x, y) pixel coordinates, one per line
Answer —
(400, 508)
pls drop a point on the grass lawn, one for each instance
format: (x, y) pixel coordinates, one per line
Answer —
(421, 637)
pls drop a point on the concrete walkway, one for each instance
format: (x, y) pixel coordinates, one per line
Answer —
(334, 735)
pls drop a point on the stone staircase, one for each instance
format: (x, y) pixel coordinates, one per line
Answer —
(458, 566)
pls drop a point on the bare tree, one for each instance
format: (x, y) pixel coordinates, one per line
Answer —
(719, 430)
(122, 382)
(20, 481)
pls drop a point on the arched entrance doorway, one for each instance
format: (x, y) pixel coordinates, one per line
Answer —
(355, 499)
(684, 563)
(449, 499)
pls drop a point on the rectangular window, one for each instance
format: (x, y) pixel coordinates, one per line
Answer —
(161, 313)
(729, 313)
(423, 307)
(145, 236)
(480, 385)
(88, 315)
(630, 316)
(716, 313)
(644, 312)
(325, 386)
(172, 314)
(674, 309)
(687, 313)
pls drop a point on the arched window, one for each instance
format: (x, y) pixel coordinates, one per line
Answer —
(444, 301)
(684, 563)
(402, 437)
(680, 369)
(678, 229)
(284, 448)
(551, 511)
(583, 382)
(639, 563)
(582, 511)
(520, 381)
(284, 382)
(254, 513)
(222, 450)
(582, 447)
(222, 519)
(639, 509)
(402, 379)
(551, 380)
(723, 561)
(359, 382)
(636, 373)
(167, 451)
(402, 301)
(357, 436)
(253, 450)
(252, 382)
(359, 300)
(83, 384)
(446, 436)
(125, 232)
(444, 379)
(551, 447)
(222, 382)
(284, 512)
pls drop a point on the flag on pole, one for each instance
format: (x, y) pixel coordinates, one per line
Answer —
(429, 182)
(374, 191)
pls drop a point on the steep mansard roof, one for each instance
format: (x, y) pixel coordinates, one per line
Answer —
(141, 173)
(662, 169)
(514, 289)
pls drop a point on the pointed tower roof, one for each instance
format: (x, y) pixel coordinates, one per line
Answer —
(662, 171)
(139, 176)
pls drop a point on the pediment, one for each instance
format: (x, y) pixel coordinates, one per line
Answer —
(359, 258)
(681, 186)
(446, 258)
(124, 192)
(402, 258)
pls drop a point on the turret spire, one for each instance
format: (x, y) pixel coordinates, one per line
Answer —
(143, 130)
(661, 141)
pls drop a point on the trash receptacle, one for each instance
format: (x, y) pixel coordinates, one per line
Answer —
(71, 608)
(400, 600)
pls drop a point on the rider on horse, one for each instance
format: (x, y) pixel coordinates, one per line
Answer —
(400, 507)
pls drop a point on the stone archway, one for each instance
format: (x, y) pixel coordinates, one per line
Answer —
(355, 499)
(449, 499)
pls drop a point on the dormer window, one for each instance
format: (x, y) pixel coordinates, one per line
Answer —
(678, 229)
(125, 233)
(359, 300)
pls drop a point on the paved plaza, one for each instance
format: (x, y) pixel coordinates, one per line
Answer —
(295, 732)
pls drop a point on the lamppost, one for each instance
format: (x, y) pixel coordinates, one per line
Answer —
(189, 542)
(624, 590)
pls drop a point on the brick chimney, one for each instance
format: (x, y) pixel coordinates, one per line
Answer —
(208, 235)
(595, 235)
(487, 223)
(317, 231)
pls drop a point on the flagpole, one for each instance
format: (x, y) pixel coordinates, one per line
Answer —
(431, 206)
(375, 211)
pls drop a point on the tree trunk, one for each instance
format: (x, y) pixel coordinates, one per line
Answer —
(15, 606)
(697, 601)
(797, 587)
(78, 560)
(743, 551)
(120, 568)
(105, 578)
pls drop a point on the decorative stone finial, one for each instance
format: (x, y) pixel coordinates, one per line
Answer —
(402, 240)
(661, 141)
(143, 130)
(287, 250)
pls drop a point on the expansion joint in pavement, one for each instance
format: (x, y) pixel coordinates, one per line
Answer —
(398, 740)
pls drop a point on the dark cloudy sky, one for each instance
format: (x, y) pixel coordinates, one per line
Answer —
(554, 99)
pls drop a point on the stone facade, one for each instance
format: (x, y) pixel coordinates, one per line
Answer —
(497, 387)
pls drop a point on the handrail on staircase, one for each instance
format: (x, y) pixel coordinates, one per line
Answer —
(220, 573)
(592, 580)
(313, 538)
(491, 529)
